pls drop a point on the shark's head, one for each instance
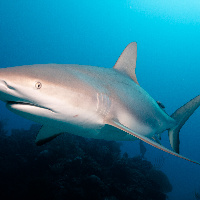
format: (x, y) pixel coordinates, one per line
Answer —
(41, 93)
(26, 92)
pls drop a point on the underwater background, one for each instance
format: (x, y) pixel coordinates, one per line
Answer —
(95, 33)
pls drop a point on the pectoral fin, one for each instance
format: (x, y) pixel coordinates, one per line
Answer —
(46, 134)
(147, 140)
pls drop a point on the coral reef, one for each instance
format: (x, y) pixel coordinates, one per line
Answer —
(72, 167)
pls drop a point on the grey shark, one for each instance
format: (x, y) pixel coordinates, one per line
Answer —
(94, 102)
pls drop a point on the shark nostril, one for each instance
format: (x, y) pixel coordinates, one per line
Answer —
(3, 83)
(7, 85)
(10, 87)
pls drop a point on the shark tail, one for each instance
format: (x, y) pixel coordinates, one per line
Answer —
(181, 115)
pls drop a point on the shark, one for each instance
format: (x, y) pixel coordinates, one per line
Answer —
(93, 102)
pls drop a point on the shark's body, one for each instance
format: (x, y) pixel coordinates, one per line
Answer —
(101, 103)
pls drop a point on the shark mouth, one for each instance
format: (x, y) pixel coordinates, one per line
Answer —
(10, 103)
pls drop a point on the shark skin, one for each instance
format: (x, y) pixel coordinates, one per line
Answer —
(90, 101)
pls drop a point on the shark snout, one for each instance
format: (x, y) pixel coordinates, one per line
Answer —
(7, 92)
(4, 87)
(3, 84)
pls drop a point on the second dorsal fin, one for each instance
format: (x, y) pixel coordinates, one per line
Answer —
(127, 61)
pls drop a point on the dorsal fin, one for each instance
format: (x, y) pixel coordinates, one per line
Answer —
(127, 61)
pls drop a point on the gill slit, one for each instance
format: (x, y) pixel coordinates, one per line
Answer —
(103, 104)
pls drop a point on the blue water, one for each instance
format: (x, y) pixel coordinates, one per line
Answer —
(95, 33)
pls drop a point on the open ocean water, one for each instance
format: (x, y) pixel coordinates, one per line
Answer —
(95, 33)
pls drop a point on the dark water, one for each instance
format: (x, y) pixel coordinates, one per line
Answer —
(72, 167)
(95, 33)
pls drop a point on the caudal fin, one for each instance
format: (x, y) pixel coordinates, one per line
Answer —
(181, 116)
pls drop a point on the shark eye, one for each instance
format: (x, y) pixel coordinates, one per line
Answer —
(38, 85)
